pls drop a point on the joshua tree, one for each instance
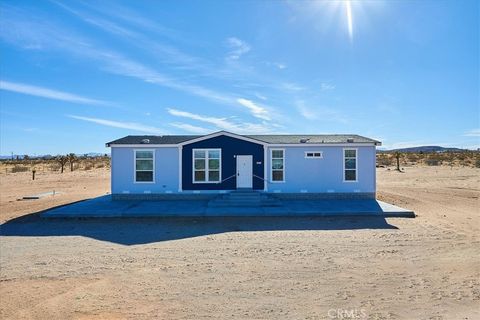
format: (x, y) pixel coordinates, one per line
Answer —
(397, 156)
(62, 160)
(72, 158)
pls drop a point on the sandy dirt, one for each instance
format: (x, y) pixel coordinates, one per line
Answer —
(70, 186)
(422, 268)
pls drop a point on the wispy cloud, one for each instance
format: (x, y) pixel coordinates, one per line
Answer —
(472, 133)
(118, 124)
(32, 34)
(260, 96)
(48, 93)
(325, 86)
(166, 53)
(256, 110)
(40, 35)
(277, 65)
(114, 9)
(237, 48)
(227, 124)
(190, 128)
(320, 113)
(290, 86)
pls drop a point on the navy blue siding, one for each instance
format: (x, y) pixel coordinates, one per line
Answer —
(230, 148)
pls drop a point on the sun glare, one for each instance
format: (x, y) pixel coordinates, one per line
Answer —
(348, 8)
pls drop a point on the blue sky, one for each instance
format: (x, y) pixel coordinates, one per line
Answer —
(76, 74)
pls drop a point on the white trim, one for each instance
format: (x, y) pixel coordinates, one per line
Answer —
(375, 170)
(222, 133)
(206, 165)
(356, 164)
(318, 151)
(135, 166)
(180, 171)
(145, 145)
(357, 144)
(271, 165)
(265, 169)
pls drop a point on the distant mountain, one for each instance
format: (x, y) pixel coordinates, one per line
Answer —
(426, 149)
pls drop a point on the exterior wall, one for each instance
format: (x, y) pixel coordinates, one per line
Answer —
(325, 174)
(123, 171)
(302, 175)
(231, 147)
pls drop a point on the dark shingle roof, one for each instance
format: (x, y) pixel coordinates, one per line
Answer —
(152, 139)
(311, 138)
(268, 138)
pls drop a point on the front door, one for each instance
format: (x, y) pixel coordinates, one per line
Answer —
(244, 172)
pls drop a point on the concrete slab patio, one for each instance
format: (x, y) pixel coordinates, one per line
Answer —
(105, 207)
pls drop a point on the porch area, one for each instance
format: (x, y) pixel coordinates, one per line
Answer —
(243, 203)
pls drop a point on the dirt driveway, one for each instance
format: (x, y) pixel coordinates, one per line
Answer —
(423, 268)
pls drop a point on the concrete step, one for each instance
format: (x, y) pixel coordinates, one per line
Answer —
(249, 205)
(243, 197)
(244, 203)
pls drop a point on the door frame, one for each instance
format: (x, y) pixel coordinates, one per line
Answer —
(247, 156)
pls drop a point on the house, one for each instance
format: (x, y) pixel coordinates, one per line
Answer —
(319, 165)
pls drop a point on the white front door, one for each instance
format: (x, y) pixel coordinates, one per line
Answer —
(244, 172)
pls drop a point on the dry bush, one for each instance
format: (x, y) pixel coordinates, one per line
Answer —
(54, 167)
(89, 166)
(413, 158)
(451, 158)
(18, 168)
(384, 159)
(432, 162)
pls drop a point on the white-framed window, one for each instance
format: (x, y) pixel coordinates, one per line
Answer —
(277, 167)
(207, 165)
(144, 166)
(313, 154)
(350, 165)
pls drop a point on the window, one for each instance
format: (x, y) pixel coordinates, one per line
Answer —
(278, 165)
(350, 164)
(144, 160)
(207, 165)
(313, 154)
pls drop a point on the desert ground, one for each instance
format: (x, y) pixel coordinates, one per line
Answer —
(289, 268)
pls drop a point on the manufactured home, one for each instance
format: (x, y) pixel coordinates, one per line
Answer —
(318, 165)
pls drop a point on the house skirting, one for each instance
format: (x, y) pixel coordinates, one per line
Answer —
(325, 196)
(210, 196)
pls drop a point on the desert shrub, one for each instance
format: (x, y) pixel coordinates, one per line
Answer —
(54, 167)
(384, 160)
(412, 157)
(89, 166)
(432, 162)
(17, 168)
(477, 163)
(100, 165)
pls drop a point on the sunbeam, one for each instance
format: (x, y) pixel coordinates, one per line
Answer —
(348, 8)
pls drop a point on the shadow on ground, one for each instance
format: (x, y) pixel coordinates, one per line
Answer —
(132, 231)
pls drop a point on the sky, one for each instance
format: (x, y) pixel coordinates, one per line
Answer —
(77, 74)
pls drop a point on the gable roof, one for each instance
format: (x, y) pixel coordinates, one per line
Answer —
(261, 138)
